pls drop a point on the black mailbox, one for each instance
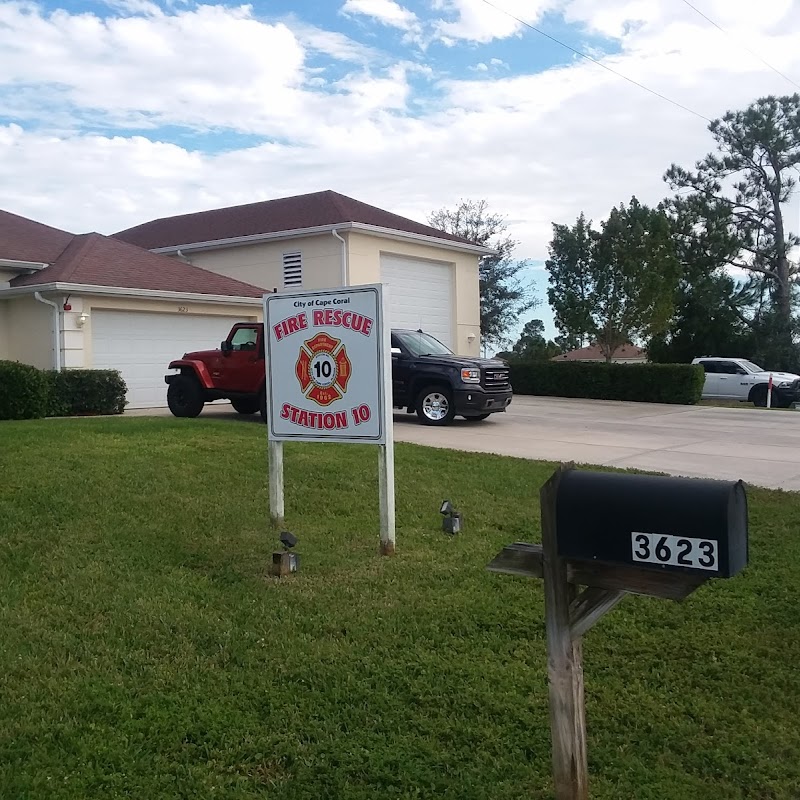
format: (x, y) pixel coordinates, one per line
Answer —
(674, 524)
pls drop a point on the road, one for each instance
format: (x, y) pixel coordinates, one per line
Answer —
(759, 446)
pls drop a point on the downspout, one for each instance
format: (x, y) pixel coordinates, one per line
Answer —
(345, 271)
(56, 326)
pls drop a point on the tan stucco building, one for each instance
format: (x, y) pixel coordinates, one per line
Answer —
(136, 300)
(325, 239)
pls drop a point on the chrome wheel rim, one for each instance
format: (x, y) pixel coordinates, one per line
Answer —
(435, 406)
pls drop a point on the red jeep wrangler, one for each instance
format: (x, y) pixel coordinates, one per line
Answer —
(235, 372)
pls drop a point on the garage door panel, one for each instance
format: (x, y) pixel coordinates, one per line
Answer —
(141, 345)
(420, 295)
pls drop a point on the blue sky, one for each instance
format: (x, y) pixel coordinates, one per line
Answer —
(112, 113)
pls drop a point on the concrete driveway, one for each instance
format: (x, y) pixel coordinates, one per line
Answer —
(759, 446)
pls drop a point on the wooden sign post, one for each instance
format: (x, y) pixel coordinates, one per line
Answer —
(616, 535)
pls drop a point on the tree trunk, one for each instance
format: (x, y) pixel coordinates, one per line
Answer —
(784, 293)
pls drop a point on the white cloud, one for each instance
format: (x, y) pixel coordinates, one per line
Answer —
(332, 43)
(208, 68)
(478, 21)
(493, 65)
(540, 147)
(196, 67)
(386, 11)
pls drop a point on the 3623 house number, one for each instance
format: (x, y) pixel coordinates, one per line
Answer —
(677, 551)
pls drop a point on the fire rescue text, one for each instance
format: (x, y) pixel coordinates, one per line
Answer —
(328, 318)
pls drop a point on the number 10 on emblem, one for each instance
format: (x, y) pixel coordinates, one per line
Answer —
(328, 379)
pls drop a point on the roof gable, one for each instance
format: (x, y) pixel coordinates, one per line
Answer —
(22, 239)
(594, 353)
(99, 260)
(272, 216)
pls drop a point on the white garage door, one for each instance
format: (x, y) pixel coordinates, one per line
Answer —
(420, 295)
(141, 345)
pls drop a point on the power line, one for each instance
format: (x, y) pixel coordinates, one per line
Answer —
(743, 46)
(595, 61)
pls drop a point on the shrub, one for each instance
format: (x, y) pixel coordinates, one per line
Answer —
(23, 391)
(644, 383)
(75, 392)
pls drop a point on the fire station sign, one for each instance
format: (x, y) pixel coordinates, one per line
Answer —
(327, 368)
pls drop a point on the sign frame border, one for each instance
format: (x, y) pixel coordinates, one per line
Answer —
(384, 410)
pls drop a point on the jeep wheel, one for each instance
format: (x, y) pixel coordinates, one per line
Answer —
(479, 418)
(262, 404)
(245, 405)
(435, 406)
(185, 397)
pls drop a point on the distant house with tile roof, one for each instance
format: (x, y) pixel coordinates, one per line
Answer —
(627, 354)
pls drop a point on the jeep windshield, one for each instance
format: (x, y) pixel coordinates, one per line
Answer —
(422, 344)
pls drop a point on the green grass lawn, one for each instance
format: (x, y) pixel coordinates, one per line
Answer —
(144, 654)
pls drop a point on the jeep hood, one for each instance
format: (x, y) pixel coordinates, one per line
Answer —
(200, 355)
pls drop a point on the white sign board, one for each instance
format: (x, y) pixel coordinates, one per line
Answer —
(328, 373)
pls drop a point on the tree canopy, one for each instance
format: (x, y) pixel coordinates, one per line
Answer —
(616, 285)
(532, 344)
(504, 295)
(728, 211)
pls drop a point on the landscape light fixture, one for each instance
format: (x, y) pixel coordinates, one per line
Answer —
(285, 562)
(288, 540)
(452, 519)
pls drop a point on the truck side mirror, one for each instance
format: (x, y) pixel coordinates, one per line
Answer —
(396, 351)
(226, 346)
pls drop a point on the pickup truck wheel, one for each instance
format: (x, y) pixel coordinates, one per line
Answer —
(435, 406)
(262, 404)
(479, 418)
(245, 406)
(760, 397)
(185, 397)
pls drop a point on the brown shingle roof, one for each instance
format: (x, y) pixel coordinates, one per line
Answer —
(270, 216)
(102, 261)
(594, 353)
(22, 239)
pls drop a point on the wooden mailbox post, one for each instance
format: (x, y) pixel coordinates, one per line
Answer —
(617, 534)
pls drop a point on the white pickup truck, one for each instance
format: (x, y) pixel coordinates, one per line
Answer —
(740, 379)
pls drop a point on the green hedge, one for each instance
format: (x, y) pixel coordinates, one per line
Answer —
(644, 383)
(75, 392)
(28, 393)
(24, 391)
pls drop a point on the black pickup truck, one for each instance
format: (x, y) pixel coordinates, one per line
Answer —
(429, 378)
